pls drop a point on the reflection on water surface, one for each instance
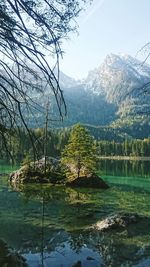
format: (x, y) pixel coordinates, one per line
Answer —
(50, 225)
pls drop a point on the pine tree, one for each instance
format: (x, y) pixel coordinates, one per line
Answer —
(79, 153)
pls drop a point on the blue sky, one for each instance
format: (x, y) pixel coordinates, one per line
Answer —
(107, 26)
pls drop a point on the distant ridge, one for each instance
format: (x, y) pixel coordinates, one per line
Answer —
(108, 96)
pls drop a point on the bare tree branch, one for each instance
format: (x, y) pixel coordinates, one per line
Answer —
(29, 32)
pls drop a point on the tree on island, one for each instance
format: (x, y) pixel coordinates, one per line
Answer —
(79, 154)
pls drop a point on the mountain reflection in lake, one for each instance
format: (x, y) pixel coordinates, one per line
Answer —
(51, 225)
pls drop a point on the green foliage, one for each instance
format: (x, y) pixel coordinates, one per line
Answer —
(108, 143)
(26, 160)
(79, 153)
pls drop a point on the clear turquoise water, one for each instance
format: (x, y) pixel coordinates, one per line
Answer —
(50, 225)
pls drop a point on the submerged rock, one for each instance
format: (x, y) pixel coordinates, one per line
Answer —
(90, 258)
(10, 258)
(90, 181)
(77, 264)
(117, 221)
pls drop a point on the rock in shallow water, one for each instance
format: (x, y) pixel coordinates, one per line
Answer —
(34, 172)
(116, 221)
(90, 181)
(9, 258)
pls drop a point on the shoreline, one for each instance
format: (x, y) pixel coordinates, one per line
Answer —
(125, 158)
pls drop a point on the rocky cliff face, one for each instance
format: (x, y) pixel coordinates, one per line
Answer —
(115, 90)
(121, 79)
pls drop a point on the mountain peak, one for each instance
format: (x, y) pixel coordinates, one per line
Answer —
(118, 61)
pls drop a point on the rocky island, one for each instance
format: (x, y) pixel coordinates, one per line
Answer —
(55, 174)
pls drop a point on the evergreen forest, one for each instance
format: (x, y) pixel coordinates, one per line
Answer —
(20, 146)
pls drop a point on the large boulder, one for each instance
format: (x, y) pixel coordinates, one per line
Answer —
(90, 181)
(27, 174)
(34, 172)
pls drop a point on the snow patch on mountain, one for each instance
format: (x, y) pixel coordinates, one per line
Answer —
(117, 73)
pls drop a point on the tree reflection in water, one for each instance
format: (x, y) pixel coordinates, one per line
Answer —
(63, 233)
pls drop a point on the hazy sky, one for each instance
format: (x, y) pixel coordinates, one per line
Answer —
(107, 26)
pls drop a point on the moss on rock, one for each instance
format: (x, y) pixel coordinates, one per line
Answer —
(34, 172)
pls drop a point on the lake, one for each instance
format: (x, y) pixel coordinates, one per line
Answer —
(51, 225)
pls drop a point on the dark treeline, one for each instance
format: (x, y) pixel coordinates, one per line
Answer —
(133, 147)
(20, 146)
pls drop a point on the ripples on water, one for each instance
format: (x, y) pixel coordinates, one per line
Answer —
(49, 225)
